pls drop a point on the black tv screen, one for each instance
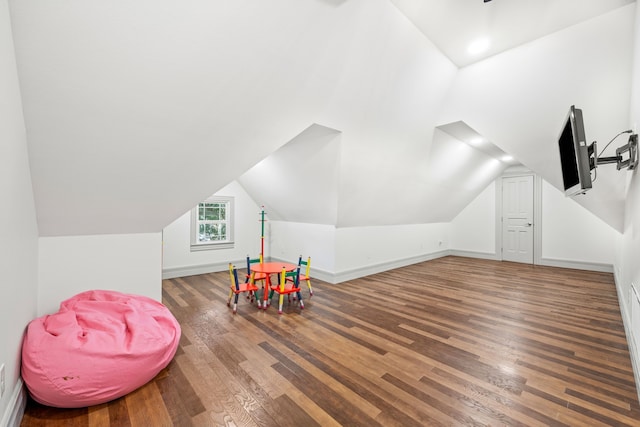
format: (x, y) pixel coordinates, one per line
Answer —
(574, 154)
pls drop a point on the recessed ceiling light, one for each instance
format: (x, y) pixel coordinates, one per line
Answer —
(506, 158)
(476, 141)
(478, 46)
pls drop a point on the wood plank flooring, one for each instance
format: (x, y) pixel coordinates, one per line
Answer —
(453, 341)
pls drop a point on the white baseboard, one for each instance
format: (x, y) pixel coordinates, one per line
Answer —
(13, 415)
(192, 270)
(474, 254)
(577, 265)
(316, 273)
(549, 262)
(356, 273)
(343, 276)
(625, 312)
(325, 276)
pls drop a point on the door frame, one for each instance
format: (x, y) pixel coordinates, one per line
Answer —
(537, 212)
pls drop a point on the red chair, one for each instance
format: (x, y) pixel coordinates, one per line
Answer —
(257, 277)
(252, 277)
(305, 277)
(237, 288)
(289, 284)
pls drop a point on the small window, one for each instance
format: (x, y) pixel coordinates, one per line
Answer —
(212, 224)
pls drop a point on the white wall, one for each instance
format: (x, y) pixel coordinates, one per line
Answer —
(571, 236)
(627, 265)
(288, 240)
(474, 229)
(336, 254)
(129, 263)
(340, 254)
(18, 229)
(178, 260)
(571, 233)
(366, 250)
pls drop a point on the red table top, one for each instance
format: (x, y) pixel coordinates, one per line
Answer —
(273, 267)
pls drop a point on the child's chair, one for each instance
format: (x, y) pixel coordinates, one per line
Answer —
(237, 287)
(289, 284)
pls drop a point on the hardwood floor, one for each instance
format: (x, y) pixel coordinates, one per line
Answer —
(453, 341)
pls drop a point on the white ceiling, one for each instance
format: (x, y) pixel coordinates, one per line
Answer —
(135, 111)
(462, 132)
(453, 24)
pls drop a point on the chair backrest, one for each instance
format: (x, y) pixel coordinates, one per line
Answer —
(305, 264)
(295, 274)
(233, 276)
(252, 261)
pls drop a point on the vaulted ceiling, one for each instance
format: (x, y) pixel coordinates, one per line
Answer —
(505, 24)
(135, 111)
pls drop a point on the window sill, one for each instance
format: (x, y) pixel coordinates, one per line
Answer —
(211, 246)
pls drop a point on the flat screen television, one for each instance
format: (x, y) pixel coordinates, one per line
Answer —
(574, 154)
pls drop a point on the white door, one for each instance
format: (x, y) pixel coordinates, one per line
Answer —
(517, 219)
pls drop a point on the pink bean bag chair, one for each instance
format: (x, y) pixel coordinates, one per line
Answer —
(99, 346)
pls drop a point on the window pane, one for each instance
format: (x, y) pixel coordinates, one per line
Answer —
(201, 233)
(209, 231)
(211, 213)
(212, 222)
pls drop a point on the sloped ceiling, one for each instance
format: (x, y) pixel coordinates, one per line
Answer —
(517, 100)
(135, 111)
(300, 181)
(525, 94)
(454, 25)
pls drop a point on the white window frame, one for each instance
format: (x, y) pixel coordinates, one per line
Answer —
(196, 244)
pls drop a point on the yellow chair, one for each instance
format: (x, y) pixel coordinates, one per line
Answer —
(237, 288)
(305, 277)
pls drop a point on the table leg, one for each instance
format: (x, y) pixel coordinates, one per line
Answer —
(266, 287)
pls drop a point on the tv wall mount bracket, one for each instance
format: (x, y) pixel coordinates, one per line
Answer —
(630, 149)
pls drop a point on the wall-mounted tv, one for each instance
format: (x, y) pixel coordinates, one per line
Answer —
(574, 154)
